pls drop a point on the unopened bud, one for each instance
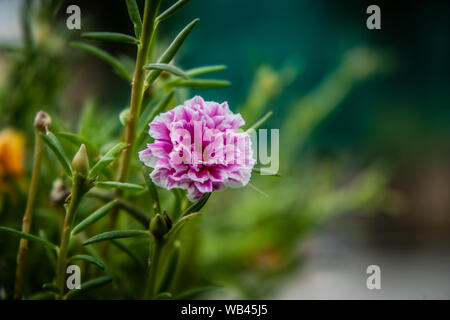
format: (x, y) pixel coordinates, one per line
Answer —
(167, 219)
(80, 162)
(42, 121)
(158, 226)
(124, 117)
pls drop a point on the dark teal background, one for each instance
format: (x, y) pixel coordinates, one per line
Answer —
(401, 114)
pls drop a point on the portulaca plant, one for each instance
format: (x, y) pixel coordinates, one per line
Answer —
(193, 149)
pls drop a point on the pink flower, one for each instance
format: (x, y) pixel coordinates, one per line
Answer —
(197, 147)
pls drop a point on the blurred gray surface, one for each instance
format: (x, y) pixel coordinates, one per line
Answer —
(337, 259)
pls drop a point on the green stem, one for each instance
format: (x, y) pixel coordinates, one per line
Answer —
(156, 253)
(77, 195)
(26, 222)
(148, 27)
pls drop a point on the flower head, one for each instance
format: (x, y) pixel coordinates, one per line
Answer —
(197, 147)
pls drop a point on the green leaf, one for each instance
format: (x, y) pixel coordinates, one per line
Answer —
(116, 234)
(261, 121)
(152, 190)
(50, 253)
(170, 52)
(200, 83)
(135, 211)
(171, 10)
(95, 216)
(114, 151)
(180, 223)
(109, 157)
(135, 17)
(119, 185)
(54, 145)
(110, 36)
(171, 268)
(166, 67)
(78, 140)
(88, 285)
(204, 70)
(192, 293)
(100, 165)
(127, 251)
(197, 206)
(29, 237)
(88, 258)
(105, 56)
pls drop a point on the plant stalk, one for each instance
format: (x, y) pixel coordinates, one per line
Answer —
(155, 254)
(77, 195)
(148, 27)
(26, 222)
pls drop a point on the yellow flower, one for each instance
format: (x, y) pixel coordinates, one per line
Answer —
(12, 153)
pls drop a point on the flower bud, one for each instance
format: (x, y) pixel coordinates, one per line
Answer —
(158, 226)
(124, 117)
(80, 162)
(42, 121)
(167, 220)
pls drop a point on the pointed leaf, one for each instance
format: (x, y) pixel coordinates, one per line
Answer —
(88, 285)
(105, 56)
(29, 237)
(114, 151)
(135, 211)
(109, 157)
(116, 234)
(89, 259)
(166, 67)
(100, 165)
(261, 121)
(78, 140)
(200, 83)
(135, 17)
(197, 206)
(110, 36)
(95, 216)
(180, 223)
(171, 10)
(170, 52)
(127, 251)
(119, 185)
(171, 268)
(204, 70)
(54, 145)
(152, 190)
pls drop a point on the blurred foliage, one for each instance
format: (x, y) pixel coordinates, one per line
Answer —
(34, 71)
